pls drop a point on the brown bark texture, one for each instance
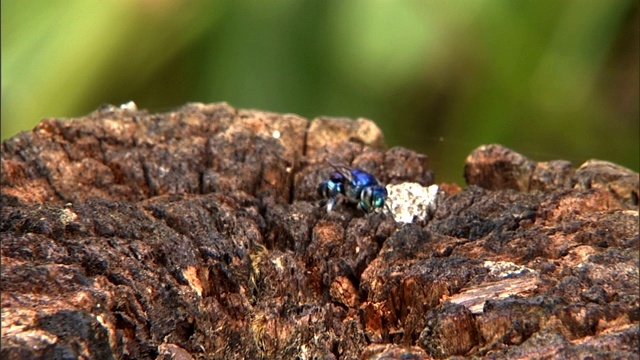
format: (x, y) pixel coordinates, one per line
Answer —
(199, 234)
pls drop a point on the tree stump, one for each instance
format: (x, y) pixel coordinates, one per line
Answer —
(198, 234)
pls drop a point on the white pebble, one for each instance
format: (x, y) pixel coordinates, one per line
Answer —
(409, 201)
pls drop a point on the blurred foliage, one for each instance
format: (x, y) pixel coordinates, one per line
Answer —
(552, 79)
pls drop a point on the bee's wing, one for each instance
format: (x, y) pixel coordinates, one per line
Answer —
(343, 169)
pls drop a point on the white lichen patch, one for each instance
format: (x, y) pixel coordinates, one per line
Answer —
(67, 216)
(131, 106)
(35, 338)
(412, 201)
(505, 268)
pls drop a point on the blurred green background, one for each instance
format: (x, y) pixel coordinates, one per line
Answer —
(552, 79)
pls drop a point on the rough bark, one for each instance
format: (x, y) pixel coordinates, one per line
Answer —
(198, 234)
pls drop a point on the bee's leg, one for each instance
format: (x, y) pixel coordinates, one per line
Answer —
(388, 207)
(331, 203)
(363, 206)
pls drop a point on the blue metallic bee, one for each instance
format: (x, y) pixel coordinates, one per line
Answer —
(356, 185)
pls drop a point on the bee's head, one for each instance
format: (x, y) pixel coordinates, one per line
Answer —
(372, 197)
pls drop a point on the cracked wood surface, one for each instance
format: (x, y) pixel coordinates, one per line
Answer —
(198, 234)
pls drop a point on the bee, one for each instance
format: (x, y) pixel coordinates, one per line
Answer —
(357, 186)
